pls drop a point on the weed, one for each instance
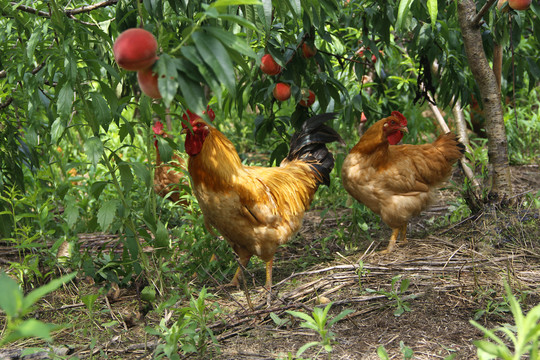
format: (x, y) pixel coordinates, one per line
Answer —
(524, 335)
(320, 323)
(191, 330)
(396, 294)
(16, 306)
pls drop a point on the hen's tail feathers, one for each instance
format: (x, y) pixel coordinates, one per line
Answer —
(450, 146)
(308, 145)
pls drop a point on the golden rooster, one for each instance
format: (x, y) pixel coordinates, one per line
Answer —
(257, 209)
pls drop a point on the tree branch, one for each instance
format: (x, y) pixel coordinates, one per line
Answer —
(69, 12)
(476, 21)
(30, 10)
(88, 8)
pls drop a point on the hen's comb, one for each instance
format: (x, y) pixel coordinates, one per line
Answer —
(400, 117)
(158, 128)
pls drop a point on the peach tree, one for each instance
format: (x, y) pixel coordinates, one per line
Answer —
(76, 127)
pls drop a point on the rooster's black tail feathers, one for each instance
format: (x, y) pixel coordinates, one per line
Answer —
(308, 145)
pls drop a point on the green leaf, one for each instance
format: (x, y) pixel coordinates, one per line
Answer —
(142, 172)
(168, 78)
(232, 41)
(223, 3)
(64, 101)
(93, 148)
(126, 176)
(403, 13)
(216, 57)
(101, 112)
(300, 315)
(71, 213)
(432, 6)
(240, 21)
(97, 188)
(340, 316)
(11, 296)
(41, 291)
(381, 351)
(31, 328)
(305, 347)
(57, 129)
(148, 293)
(107, 213)
(161, 241)
(35, 38)
(267, 14)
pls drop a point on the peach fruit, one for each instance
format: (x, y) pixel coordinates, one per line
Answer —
(135, 49)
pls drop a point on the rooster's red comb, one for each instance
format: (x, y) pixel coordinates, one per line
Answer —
(194, 117)
(400, 117)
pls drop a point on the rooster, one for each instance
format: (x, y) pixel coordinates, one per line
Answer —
(257, 209)
(397, 182)
(168, 177)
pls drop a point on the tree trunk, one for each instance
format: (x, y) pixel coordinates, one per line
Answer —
(501, 187)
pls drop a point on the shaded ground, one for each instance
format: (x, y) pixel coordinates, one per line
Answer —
(455, 273)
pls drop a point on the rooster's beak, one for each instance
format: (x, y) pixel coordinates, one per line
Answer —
(404, 129)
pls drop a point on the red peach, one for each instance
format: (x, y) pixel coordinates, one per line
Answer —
(269, 65)
(519, 4)
(148, 81)
(308, 97)
(135, 49)
(308, 51)
(282, 91)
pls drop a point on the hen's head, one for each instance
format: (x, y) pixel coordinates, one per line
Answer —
(195, 137)
(394, 127)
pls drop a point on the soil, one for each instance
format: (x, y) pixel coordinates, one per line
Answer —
(454, 273)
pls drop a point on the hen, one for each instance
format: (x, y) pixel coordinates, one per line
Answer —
(168, 177)
(257, 209)
(397, 182)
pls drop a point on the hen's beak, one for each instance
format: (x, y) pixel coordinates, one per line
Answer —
(184, 131)
(404, 129)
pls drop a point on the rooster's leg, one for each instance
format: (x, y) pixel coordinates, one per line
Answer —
(392, 243)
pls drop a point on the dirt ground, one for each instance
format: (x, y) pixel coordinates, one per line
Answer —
(455, 272)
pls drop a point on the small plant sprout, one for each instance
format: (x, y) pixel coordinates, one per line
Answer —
(396, 294)
(524, 335)
(320, 323)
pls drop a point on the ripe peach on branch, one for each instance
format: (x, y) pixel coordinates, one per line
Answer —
(148, 82)
(308, 50)
(308, 97)
(135, 49)
(269, 65)
(282, 91)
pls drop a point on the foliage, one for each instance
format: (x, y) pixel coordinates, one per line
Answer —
(191, 332)
(523, 128)
(396, 294)
(16, 306)
(76, 146)
(319, 322)
(524, 335)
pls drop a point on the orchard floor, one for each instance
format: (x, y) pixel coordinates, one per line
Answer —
(455, 274)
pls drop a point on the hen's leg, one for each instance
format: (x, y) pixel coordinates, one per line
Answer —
(268, 284)
(403, 232)
(392, 243)
(239, 272)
